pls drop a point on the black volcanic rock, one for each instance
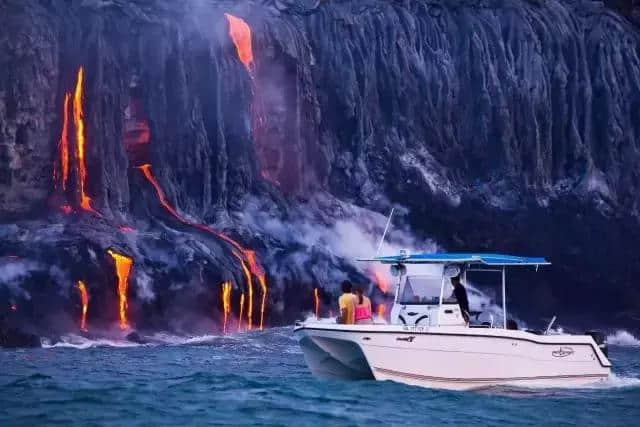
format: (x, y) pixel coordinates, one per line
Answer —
(500, 125)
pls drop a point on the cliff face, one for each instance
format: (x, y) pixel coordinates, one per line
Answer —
(499, 125)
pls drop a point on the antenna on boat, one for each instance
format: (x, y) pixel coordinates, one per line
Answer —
(386, 227)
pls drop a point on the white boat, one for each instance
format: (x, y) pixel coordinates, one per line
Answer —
(429, 343)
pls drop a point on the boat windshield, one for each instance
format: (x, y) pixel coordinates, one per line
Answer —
(423, 289)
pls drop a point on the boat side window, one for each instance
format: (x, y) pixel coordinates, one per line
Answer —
(421, 289)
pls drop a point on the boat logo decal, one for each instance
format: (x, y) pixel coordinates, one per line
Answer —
(562, 352)
(408, 339)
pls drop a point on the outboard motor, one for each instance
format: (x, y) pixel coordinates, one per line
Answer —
(600, 339)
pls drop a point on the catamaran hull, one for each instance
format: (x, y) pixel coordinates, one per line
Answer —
(451, 358)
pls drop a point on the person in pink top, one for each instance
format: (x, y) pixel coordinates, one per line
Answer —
(363, 308)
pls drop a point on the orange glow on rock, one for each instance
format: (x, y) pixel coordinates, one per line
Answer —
(240, 34)
(78, 121)
(123, 268)
(316, 302)
(226, 303)
(241, 312)
(63, 147)
(84, 296)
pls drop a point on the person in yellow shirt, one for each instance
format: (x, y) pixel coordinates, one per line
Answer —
(347, 303)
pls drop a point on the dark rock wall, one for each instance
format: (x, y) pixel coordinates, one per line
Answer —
(502, 125)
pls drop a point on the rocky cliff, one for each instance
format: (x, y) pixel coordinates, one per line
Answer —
(501, 125)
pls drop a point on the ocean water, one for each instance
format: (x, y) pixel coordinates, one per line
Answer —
(260, 378)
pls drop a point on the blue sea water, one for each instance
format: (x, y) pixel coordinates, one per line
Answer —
(260, 378)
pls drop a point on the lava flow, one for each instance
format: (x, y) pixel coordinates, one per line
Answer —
(240, 33)
(63, 147)
(84, 296)
(316, 302)
(241, 311)
(78, 121)
(226, 303)
(381, 282)
(381, 309)
(123, 267)
(247, 274)
(247, 254)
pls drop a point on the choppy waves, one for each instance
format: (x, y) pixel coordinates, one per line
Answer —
(623, 338)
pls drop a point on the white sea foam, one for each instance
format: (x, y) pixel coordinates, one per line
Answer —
(615, 381)
(81, 343)
(623, 338)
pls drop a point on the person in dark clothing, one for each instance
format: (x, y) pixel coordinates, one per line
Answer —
(461, 295)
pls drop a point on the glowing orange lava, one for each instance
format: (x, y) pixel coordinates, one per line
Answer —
(63, 147)
(247, 254)
(316, 302)
(123, 267)
(381, 281)
(380, 310)
(85, 305)
(240, 33)
(78, 121)
(247, 274)
(241, 311)
(226, 303)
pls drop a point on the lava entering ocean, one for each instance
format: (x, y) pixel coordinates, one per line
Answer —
(247, 254)
(240, 310)
(226, 303)
(123, 267)
(84, 296)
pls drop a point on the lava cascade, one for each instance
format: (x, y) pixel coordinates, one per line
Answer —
(226, 303)
(78, 121)
(247, 274)
(241, 311)
(84, 296)
(62, 174)
(123, 268)
(316, 302)
(240, 34)
(247, 254)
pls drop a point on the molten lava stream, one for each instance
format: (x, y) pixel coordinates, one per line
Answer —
(226, 303)
(84, 296)
(247, 274)
(316, 302)
(240, 34)
(78, 121)
(63, 147)
(241, 312)
(381, 282)
(381, 310)
(248, 255)
(123, 267)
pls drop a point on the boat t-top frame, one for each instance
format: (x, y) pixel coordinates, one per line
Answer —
(470, 261)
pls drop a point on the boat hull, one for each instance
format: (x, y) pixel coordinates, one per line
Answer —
(457, 358)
